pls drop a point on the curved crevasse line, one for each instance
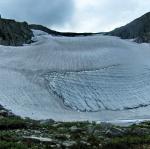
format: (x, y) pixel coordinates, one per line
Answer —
(67, 104)
(114, 88)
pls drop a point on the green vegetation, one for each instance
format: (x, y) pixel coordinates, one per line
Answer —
(12, 123)
(18, 133)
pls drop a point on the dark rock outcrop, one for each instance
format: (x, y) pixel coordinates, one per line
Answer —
(138, 29)
(56, 33)
(5, 113)
(14, 33)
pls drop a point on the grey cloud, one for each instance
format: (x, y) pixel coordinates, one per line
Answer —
(47, 12)
(115, 13)
(66, 15)
(111, 11)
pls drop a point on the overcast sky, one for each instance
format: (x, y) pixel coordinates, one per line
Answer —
(75, 15)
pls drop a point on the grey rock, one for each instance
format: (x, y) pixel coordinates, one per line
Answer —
(91, 129)
(62, 136)
(48, 121)
(85, 143)
(56, 33)
(3, 113)
(115, 132)
(14, 33)
(143, 38)
(138, 29)
(140, 131)
(58, 146)
(69, 144)
(75, 129)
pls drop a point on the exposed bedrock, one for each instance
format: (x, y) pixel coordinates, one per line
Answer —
(14, 33)
(138, 29)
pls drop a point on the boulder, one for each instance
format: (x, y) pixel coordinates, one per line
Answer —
(75, 129)
(140, 131)
(115, 132)
(69, 144)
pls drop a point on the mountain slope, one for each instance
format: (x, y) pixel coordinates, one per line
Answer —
(56, 33)
(18, 33)
(14, 33)
(138, 29)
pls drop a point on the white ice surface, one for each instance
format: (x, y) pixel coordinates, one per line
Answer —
(58, 77)
(115, 87)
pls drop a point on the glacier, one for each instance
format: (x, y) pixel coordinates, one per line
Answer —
(96, 78)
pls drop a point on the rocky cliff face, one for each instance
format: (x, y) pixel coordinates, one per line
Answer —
(138, 29)
(14, 33)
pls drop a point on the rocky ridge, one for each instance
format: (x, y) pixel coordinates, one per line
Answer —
(56, 33)
(139, 30)
(14, 33)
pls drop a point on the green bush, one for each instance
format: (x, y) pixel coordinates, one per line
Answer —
(12, 123)
(12, 145)
(126, 142)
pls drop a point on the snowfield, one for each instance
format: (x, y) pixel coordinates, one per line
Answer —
(100, 78)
